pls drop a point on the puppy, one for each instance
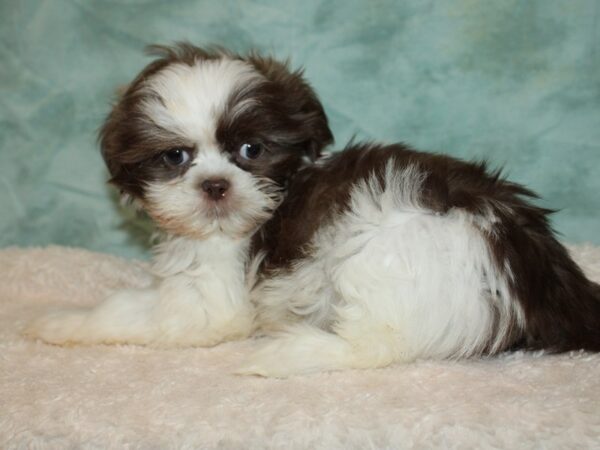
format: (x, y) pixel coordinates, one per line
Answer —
(357, 259)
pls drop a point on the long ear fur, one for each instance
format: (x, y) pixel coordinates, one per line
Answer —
(309, 111)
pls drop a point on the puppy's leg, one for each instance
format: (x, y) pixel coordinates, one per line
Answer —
(200, 299)
(125, 316)
(305, 349)
(181, 311)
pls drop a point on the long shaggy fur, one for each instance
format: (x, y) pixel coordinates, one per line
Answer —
(356, 259)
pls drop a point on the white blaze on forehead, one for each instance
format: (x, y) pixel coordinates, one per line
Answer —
(191, 98)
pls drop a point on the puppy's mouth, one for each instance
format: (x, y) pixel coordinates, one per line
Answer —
(229, 212)
(220, 210)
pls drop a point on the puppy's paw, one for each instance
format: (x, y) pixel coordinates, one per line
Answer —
(277, 359)
(301, 350)
(264, 364)
(58, 328)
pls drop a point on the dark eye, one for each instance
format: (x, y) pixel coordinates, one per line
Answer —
(251, 151)
(176, 157)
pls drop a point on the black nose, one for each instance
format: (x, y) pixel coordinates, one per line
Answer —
(215, 189)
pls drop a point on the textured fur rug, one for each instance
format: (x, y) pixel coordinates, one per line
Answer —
(116, 397)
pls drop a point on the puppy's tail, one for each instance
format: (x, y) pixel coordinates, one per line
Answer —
(587, 335)
(591, 332)
(568, 315)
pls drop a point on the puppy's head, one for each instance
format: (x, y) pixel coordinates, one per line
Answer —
(204, 140)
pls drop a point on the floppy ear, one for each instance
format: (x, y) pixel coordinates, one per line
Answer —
(306, 109)
(119, 129)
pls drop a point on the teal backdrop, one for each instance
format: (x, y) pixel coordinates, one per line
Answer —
(515, 82)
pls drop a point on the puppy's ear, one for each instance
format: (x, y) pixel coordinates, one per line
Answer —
(120, 130)
(300, 99)
(119, 136)
(113, 138)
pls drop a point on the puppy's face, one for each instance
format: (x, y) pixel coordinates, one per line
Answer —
(204, 141)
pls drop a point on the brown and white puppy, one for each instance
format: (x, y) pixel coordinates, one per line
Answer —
(356, 259)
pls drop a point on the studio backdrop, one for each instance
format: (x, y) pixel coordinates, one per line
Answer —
(514, 82)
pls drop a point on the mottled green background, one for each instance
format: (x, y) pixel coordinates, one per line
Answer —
(516, 82)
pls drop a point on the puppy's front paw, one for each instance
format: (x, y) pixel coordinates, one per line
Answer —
(59, 328)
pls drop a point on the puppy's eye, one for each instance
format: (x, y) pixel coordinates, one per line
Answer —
(251, 151)
(176, 157)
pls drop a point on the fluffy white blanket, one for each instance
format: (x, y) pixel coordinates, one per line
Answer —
(133, 397)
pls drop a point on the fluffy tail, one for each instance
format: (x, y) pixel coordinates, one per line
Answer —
(561, 306)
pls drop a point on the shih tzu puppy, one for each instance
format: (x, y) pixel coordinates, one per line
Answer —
(357, 259)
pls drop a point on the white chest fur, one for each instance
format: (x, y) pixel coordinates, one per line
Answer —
(202, 287)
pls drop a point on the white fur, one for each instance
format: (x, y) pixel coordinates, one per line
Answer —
(199, 299)
(388, 281)
(187, 100)
(249, 201)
